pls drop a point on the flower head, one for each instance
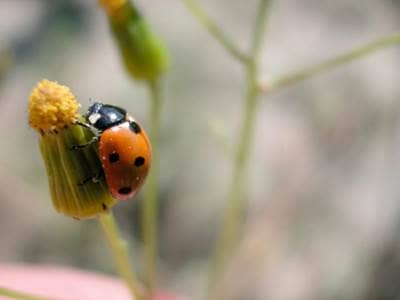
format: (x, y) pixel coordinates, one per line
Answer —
(51, 106)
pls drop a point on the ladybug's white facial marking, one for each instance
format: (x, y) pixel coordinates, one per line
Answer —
(93, 118)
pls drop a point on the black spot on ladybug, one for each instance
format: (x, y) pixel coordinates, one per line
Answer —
(139, 161)
(113, 157)
(134, 127)
(125, 190)
(104, 206)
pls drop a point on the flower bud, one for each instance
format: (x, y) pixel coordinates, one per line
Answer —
(53, 112)
(144, 55)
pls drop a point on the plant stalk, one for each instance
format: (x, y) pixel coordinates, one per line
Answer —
(326, 65)
(215, 31)
(119, 249)
(150, 204)
(234, 212)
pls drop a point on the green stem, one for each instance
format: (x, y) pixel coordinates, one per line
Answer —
(119, 248)
(215, 31)
(259, 30)
(308, 72)
(150, 204)
(234, 212)
(19, 295)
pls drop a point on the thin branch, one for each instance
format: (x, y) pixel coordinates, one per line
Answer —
(215, 30)
(119, 249)
(259, 28)
(150, 205)
(234, 212)
(308, 72)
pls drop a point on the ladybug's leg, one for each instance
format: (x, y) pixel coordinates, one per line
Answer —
(92, 140)
(86, 125)
(95, 178)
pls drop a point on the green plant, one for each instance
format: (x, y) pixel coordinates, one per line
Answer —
(235, 207)
(147, 62)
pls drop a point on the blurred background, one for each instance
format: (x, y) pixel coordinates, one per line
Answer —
(323, 185)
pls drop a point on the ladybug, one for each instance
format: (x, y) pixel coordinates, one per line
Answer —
(124, 149)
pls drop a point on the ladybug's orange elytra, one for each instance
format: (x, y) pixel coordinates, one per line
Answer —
(125, 157)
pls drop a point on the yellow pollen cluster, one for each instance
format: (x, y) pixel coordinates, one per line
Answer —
(51, 106)
(112, 6)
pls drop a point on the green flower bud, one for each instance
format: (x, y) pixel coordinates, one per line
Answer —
(53, 111)
(144, 55)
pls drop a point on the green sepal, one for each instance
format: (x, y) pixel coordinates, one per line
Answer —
(144, 55)
(67, 168)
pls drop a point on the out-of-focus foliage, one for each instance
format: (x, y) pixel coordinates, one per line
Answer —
(324, 214)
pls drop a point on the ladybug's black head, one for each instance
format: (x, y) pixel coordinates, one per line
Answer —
(103, 116)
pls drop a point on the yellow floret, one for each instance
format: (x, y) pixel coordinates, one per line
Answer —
(51, 106)
(112, 6)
